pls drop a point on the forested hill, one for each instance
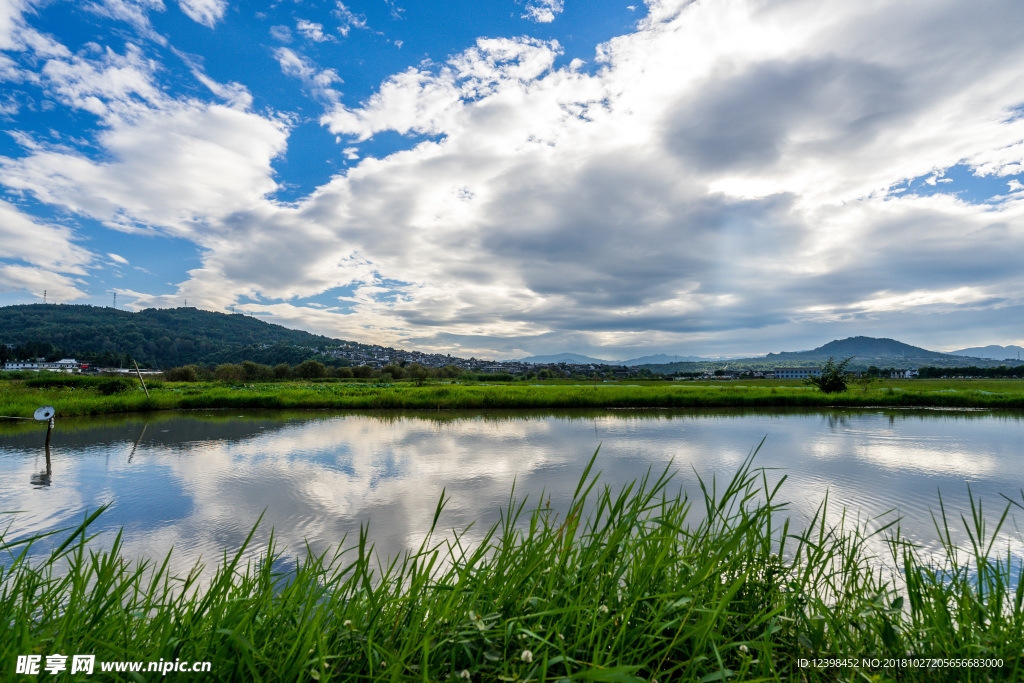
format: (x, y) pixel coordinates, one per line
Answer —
(882, 352)
(159, 337)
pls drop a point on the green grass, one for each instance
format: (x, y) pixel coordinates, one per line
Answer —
(19, 399)
(637, 584)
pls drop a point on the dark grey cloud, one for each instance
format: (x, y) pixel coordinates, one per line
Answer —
(776, 110)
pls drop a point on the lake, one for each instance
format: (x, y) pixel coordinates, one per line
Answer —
(198, 481)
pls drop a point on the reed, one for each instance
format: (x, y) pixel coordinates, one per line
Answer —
(636, 584)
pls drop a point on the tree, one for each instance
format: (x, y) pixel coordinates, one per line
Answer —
(832, 378)
(310, 369)
(418, 373)
(186, 373)
(362, 371)
(229, 372)
(257, 371)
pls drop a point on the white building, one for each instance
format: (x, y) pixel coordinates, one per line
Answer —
(796, 373)
(63, 365)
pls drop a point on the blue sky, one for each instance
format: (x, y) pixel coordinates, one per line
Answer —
(504, 179)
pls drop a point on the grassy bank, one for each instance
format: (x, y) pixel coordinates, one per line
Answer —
(634, 585)
(20, 400)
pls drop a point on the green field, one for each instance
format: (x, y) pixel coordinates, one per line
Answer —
(18, 398)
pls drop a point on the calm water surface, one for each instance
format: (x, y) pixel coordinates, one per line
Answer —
(199, 481)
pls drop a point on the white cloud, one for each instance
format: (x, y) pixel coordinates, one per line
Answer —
(205, 12)
(47, 254)
(312, 31)
(434, 102)
(543, 11)
(118, 259)
(113, 87)
(724, 172)
(236, 94)
(40, 244)
(348, 19)
(281, 33)
(14, 278)
(174, 167)
(134, 12)
(318, 81)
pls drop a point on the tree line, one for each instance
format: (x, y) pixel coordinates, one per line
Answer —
(250, 371)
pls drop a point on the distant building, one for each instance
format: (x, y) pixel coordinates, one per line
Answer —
(797, 373)
(63, 365)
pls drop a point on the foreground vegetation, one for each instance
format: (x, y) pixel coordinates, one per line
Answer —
(92, 396)
(641, 584)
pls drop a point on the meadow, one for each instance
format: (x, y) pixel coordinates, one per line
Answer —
(19, 398)
(638, 584)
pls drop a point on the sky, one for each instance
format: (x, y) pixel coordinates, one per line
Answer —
(516, 177)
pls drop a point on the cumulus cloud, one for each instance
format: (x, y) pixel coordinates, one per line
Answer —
(729, 170)
(435, 101)
(114, 87)
(175, 168)
(687, 203)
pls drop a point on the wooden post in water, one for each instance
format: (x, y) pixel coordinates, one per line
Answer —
(140, 377)
(49, 432)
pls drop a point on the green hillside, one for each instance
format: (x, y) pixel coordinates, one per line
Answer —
(158, 337)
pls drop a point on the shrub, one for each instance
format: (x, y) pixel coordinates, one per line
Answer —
(186, 373)
(229, 372)
(282, 371)
(61, 380)
(115, 385)
(832, 378)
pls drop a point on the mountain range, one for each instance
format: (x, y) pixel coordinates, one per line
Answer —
(992, 351)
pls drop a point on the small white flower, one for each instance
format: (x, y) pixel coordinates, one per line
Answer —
(561, 637)
(464, 674)
(744, 649)
(527, 656)
(603, 609)
(347, 623)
